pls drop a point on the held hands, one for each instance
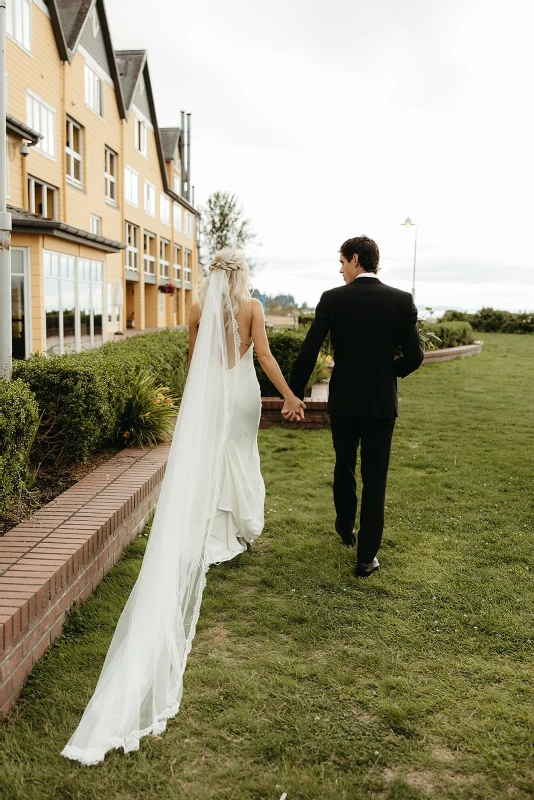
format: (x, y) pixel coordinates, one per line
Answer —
(293, 409)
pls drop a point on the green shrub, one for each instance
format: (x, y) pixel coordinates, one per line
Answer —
(82, 396)
(149, 413)
(451, 334)
(492, 320)
(285, 346)
(19, 417)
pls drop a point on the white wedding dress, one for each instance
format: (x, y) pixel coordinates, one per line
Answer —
(211, 505)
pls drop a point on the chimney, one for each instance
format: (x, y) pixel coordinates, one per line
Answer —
(188, 156)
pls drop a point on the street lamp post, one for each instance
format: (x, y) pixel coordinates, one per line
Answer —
(409, 224)
(5, 219)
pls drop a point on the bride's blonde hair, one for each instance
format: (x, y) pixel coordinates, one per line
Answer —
(235, 266)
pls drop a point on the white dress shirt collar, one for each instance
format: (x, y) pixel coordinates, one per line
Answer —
(366, 275)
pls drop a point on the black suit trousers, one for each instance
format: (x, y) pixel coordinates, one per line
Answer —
(374, 434)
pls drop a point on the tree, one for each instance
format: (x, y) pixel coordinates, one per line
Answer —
(223, 224)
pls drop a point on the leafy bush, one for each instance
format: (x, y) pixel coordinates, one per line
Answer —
(285, 346)
(451, 334)
(19, 418)
(149, 413)
(83, 396)
(492, 320)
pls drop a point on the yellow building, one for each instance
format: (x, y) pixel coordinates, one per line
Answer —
(101, 199)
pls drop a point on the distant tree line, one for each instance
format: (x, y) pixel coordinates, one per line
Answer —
(491, 320)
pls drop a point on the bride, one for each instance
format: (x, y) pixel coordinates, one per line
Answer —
(209, 509)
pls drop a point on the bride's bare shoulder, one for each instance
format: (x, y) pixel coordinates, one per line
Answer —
(194, 314)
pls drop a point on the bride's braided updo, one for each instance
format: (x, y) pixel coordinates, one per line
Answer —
(233, 263)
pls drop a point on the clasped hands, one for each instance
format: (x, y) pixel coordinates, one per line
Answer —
(293, 409)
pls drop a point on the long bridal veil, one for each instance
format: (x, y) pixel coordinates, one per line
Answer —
(140, 685)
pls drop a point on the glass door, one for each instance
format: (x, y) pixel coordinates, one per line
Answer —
(20, 296)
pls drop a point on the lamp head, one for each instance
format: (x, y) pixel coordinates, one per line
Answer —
(407, 223)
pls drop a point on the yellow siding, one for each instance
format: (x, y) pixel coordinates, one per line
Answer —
(61, 86)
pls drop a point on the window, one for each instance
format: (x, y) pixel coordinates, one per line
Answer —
(93, 91)
(132, 247)
(189, 224)
(73, 152)
(90, 303)
(164, 252)
(18, 21)
(140, 136)
(177, 266)
(42, 198)
(177, 208)
(187, 268)
(110, 175)
(149, 253)
(73, 294)
(42, 117)
(96, 225)
(150, 198)
(176, 184)
(165, 209)
(131, 186)
(95, 23)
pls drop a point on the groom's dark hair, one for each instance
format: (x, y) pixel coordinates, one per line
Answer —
(366, 249)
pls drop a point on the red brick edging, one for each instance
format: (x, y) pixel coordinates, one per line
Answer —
(316, 415)
(61, 554)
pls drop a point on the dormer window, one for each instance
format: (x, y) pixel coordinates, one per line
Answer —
(140, 137)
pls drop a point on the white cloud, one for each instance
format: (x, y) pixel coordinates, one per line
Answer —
(331, 120)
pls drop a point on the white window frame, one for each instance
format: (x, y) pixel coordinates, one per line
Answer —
(45, 124)
(141, 138)
(95, 225)
(188, 255)
(19, 23)
(177, 217)
(188, 224)
(73, 155)
(31, 197)
(94, 91)
(129, 175)
(177, 264)
(164, 255)
(177, 185)
(77, 279)
(111, 160)
(26, 275)
(165, 209)
(132, 250)
(149, 261)
(150, 199)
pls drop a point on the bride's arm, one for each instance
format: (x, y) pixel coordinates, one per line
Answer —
(269, 364)
(194, 319)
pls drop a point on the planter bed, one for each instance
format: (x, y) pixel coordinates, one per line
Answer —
(61, 554)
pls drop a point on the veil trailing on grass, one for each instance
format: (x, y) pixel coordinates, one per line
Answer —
(140, 685)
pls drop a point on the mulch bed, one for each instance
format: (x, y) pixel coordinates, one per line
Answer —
(52, 480)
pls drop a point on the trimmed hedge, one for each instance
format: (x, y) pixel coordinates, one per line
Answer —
(452, 334)
(285, 346)
(19, 417)
(492, 320)
(82, 396)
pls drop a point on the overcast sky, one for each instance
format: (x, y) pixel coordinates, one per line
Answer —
(332, 119)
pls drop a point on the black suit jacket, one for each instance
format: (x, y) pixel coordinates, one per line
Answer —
(367, 321)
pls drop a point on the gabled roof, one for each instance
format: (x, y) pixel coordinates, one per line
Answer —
(170, 138)
(69, 18)
(130, 65)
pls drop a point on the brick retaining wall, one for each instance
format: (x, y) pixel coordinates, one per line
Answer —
(62, 553)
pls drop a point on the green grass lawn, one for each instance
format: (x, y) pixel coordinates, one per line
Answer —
(414, 683)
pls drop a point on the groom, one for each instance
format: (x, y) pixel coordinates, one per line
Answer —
(367, 321)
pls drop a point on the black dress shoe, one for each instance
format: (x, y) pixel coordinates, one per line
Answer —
(363, 570)
(348, 539)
